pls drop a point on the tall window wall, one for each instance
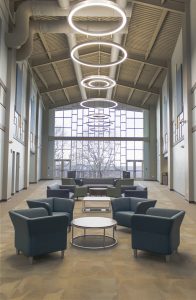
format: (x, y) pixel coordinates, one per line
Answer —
(103, 152)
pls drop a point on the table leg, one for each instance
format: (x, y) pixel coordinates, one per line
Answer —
(84, 231)
(104, 237)
(72, 233)
(113, 231)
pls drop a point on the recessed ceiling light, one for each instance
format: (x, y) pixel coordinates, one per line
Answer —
(98, 82)
(75, 55)
(98, 103)
(93, 4)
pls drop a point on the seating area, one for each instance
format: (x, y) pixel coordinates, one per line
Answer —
(152, 229)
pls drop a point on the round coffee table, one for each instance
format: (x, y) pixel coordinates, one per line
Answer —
(94, 241)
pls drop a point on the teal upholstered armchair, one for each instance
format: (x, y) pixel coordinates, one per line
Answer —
(157, 231)
(55, 206)
(37, 233)
(123, 209)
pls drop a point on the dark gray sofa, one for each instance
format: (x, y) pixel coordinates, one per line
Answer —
(138, 191)
(59, 191)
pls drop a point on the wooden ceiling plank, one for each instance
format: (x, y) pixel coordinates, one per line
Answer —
(171, 5)
(156, 33)
(58, 87)
(138, 87)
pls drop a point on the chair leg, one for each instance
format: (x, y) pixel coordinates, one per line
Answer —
(69, 228)
(17, 252)
(167, 258)
(135, 253)
(62, 254)
(31, 259)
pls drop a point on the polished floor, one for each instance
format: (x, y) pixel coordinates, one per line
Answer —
(112, 274)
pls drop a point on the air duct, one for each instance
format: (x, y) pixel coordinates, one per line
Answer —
(59, 26)
(27, 9)
(115, 53)
(38, 9)
(63, 3)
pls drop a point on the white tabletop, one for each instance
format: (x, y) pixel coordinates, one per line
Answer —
(94, 222)
(96, 198)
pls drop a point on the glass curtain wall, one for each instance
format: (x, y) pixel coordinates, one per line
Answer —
(93, 156)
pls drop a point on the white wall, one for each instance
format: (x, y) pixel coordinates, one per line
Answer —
(3, 82)
(193, 75)
(178, 151)
(7, 83)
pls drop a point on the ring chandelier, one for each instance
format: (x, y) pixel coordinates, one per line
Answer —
(93, 4)
(98, 116)
(75, 56)
(98, 82)
(99, 130)
(98, 103)
(101, 123)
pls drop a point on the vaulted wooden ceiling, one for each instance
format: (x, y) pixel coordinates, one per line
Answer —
(153, 30)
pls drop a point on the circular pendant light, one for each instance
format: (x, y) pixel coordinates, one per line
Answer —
(98, 103)
(98, 116)
(98, 130)
(98, 82)
(75, 55)
(99, 123)
(93, 4)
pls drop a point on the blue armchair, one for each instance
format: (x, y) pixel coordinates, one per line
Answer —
(124, 208)
(55, 206)
(59, 191)
(138, 191)
(37, 233)
(157, 231)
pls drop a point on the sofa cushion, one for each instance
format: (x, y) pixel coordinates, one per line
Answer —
(53, 187)
(106, 181)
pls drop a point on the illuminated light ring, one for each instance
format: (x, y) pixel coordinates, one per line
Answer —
(102, 43)
(93, 129)
(91, 83)
(88, 82)
(100, 124)
(93, 3)
(111, 103)
(98, 116)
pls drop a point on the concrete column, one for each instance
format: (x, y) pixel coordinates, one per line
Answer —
(37, 137)
(27, 131)
(45, 131)
(170, 128)
(9, 122)
(187, 100)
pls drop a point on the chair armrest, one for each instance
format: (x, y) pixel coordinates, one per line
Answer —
(34, 204)
(63, 204)
(143, 206)
(47, 225)
(153, 224)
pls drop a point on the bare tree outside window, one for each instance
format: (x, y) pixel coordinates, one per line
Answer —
(97, 157)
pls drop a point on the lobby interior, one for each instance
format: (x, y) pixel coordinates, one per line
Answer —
(58, 59)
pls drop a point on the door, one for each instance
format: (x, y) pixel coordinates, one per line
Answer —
(135, 167)
(17, 171)
(13, 173)
(61, 166)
